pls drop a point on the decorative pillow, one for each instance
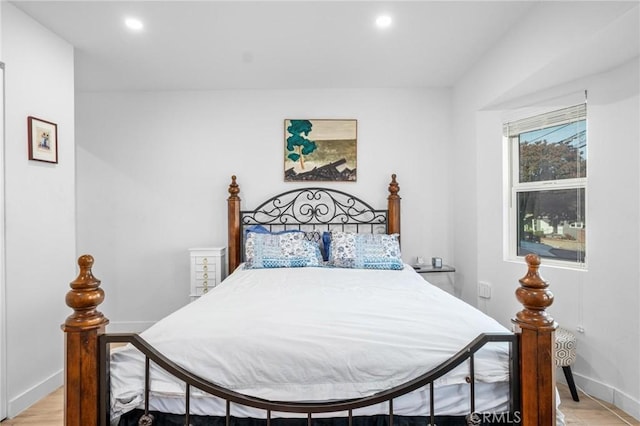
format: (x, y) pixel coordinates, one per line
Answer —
(284, 250)
(259, 229)
(313, 236)
(365, 251)
(316, 237)
(326, 245)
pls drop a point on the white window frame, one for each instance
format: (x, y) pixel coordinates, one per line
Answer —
(540, 119)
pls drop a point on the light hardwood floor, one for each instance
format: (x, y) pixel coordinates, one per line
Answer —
(588, 412)
(591, 411)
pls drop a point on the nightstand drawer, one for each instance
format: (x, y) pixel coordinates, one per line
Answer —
(206, 267)
(202, 261)
(203, 287)
(206, 275)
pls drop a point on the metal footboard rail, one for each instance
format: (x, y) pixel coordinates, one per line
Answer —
(309, 408)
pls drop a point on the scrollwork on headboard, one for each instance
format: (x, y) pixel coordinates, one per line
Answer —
(314, 207)
(310, 209)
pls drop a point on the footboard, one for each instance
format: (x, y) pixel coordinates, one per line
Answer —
(532, 384)
(337, 407)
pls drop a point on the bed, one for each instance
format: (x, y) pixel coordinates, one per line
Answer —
(337, 332)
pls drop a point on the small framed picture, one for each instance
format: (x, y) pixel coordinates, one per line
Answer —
(43, 140)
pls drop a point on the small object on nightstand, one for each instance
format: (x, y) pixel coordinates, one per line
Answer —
(436, 262)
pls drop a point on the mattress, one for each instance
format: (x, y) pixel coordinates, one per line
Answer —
(317, 334)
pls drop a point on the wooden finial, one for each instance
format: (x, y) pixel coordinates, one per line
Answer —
(536, 330)
(394, 188)
(82, 330)
(234, 189)
(84, 297)
(393, 206)
(534, 296)
(234, 241)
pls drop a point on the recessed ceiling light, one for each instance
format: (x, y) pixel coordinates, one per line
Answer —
(383, 21)
(134, 24)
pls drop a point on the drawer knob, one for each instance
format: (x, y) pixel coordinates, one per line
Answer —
(205, 260)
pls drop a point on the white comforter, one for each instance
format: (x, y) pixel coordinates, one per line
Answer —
(312, 334)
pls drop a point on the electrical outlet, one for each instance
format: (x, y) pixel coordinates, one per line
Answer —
(484, 290)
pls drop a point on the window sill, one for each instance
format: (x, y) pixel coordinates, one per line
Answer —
(556, 264)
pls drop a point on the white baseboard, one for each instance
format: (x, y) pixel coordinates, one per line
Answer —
(20, 403)
(609, 394)
(35, 394)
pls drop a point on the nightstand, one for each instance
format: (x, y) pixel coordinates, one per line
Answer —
(427, 269)
(208, 269)
(443, 278)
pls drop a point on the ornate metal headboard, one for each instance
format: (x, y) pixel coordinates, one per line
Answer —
(310, 209)
(313, 208)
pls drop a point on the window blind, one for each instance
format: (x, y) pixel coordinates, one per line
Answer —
(561, 116)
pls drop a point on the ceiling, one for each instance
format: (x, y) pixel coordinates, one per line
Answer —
(274, 44)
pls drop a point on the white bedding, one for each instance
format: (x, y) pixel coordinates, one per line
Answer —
(316, 334)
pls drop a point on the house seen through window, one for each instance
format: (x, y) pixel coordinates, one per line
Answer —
(548, 176)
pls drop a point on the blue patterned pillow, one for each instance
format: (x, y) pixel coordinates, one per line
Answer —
(260, 229)
(284, 250)
(316, 237)
(365, 251)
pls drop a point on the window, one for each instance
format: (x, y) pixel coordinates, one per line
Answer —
(548, 180)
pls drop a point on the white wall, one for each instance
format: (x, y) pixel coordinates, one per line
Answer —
(604, 299)
(3, 364)
(154, 168)
(40, 204)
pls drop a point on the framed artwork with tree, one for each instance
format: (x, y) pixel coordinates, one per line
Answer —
(320, 150)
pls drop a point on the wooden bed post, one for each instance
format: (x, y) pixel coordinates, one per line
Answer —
(235, 240)
(536, 330)
(82, 329)
(393, 200)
